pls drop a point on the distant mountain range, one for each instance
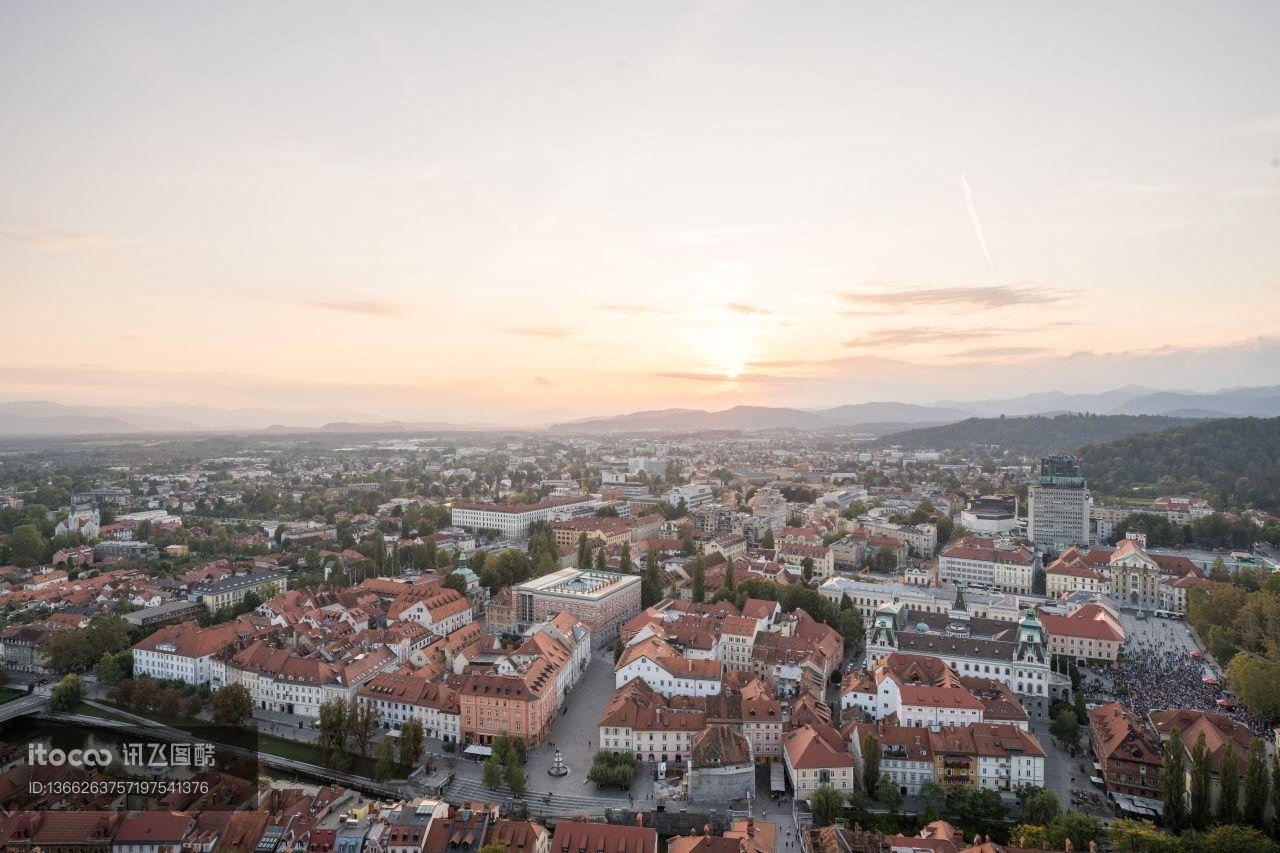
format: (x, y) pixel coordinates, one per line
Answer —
(1034, 435)
(390, 427)
(39, 417)
(764, 417)
(881, 418)
(42, 418)
(1261, 402)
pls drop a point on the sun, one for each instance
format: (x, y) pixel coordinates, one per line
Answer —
(726, 350)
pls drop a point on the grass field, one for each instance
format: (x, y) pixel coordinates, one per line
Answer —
(93, 711)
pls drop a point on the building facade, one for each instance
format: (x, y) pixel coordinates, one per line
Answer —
(1058, 515)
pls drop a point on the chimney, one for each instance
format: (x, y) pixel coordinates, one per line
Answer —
(706, 829)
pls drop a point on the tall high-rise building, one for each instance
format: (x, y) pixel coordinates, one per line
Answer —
(1058, 517)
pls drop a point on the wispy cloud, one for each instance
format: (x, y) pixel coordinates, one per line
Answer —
(360, 307)
(781, 363)
(554, 332)
(915, 335)
(52, 238)
(909, 335)
(694, 376)
(744, 308)
(998, 352)
(543, 382)
(993, 296)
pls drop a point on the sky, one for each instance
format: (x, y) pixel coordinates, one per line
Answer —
(521, 212)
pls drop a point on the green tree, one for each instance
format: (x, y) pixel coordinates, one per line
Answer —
(584, 552)
(932, 794)
(1233, 838)
(385, 756)
(411, 737)
(1173, 777)
(1223, 642)
(624, 560)
(334, 730)
(170, 703)
(1132, 836)
(1080, 828)
(851, 628)
(827, 805)
(870, 763)
(26, 545)
(1028, 835)
(766, 541)
(514, 775)
(1256, 680)
(1255, 785)
(232, 706)
(362, 722)
(651, 580)
(1065, 727)
(1041, 807)
(456, 582)
(493, 771)
(67, 693)
(972, 807)
(888, 794)
(1228, 784)
(698, 581)
(1274, 797)
(108, 670)
(1201, 783)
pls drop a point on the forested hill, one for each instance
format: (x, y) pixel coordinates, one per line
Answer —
(1234, 462)
(1033, 436)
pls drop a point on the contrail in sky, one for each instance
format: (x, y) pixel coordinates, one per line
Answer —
(977, 225)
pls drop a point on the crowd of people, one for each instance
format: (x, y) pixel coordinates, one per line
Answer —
(1157, 674)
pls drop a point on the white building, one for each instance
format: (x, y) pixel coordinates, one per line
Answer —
(693, 495)
(402, 695)
(1015, 654)
(183, 652)
(998, 564)
(512, 521)
(991, 516)
(441, 613)
(659, 665)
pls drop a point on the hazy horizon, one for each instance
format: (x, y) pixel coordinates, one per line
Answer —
(521, 214)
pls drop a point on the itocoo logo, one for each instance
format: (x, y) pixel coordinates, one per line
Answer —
(38, 753)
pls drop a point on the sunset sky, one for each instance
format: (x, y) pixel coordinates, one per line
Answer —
(522, 212)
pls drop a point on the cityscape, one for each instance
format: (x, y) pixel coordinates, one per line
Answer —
(610, 428)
